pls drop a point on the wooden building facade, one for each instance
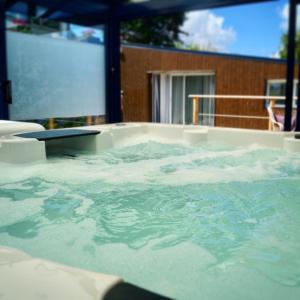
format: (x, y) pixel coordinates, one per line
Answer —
(233, 75)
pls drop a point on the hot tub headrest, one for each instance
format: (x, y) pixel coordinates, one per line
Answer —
(55, 134)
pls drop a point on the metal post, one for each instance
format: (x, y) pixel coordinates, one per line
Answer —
(3, 64)
(113, 72)
(290, 65)
(298, 99)
(31, 12)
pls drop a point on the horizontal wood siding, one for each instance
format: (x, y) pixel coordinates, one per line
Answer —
(233, 76)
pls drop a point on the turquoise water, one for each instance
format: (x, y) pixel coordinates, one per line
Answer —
(207, 222)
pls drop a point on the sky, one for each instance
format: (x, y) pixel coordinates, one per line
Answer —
(253, 29)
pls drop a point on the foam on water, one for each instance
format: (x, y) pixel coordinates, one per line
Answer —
(188, 222)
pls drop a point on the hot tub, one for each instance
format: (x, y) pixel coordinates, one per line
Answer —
(188, 212)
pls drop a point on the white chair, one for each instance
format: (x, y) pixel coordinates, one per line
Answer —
(273, 124)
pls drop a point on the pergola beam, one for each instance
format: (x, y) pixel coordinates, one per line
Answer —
(290, 65)
(298, 96)
(113, 71)
(9, 3)
(78, 7)
(48, 13)
(3, 66)
(126, 11)
(92, 20)
(162, 7)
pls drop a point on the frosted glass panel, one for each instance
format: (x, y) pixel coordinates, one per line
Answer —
(55, 78)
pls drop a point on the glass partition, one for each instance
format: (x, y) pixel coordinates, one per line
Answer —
(57, 73)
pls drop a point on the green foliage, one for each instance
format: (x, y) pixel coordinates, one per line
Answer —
(160, 31)
(191, 46)
(284, 46)
(196, 47)
(23, 29)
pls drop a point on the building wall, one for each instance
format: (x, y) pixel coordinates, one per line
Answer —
(233, 75)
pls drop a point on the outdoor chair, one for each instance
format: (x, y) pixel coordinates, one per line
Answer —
(277, 120)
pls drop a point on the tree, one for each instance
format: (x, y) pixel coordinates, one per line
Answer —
(284, 46)
(160, 30)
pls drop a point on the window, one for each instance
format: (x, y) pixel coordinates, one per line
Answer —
(276, 87)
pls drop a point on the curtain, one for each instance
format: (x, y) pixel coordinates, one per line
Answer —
(209, 103)
(156, 98)
(165, 100)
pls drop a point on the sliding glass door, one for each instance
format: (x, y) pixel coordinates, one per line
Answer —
(171, 102)
(182, 105)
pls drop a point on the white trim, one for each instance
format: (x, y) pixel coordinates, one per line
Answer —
(183, 97)
(170, 99)
(184, 72)
(280, 80)
(162, 88)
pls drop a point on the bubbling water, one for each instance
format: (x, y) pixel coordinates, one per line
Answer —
(187, 222)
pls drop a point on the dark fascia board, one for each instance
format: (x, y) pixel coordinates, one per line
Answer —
(74, 8)
(206, 53)
(9, 3)
(92, 19)
(160, 7)
(126, 11)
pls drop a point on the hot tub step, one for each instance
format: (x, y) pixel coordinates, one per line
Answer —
(55, 134)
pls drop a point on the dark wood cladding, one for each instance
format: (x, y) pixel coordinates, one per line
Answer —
(233, 76)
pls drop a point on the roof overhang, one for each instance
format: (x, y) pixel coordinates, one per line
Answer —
(96, 12)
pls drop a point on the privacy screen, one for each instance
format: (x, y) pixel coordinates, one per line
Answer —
(55, 77)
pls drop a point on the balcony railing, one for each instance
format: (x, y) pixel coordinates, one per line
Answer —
(197, 98)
